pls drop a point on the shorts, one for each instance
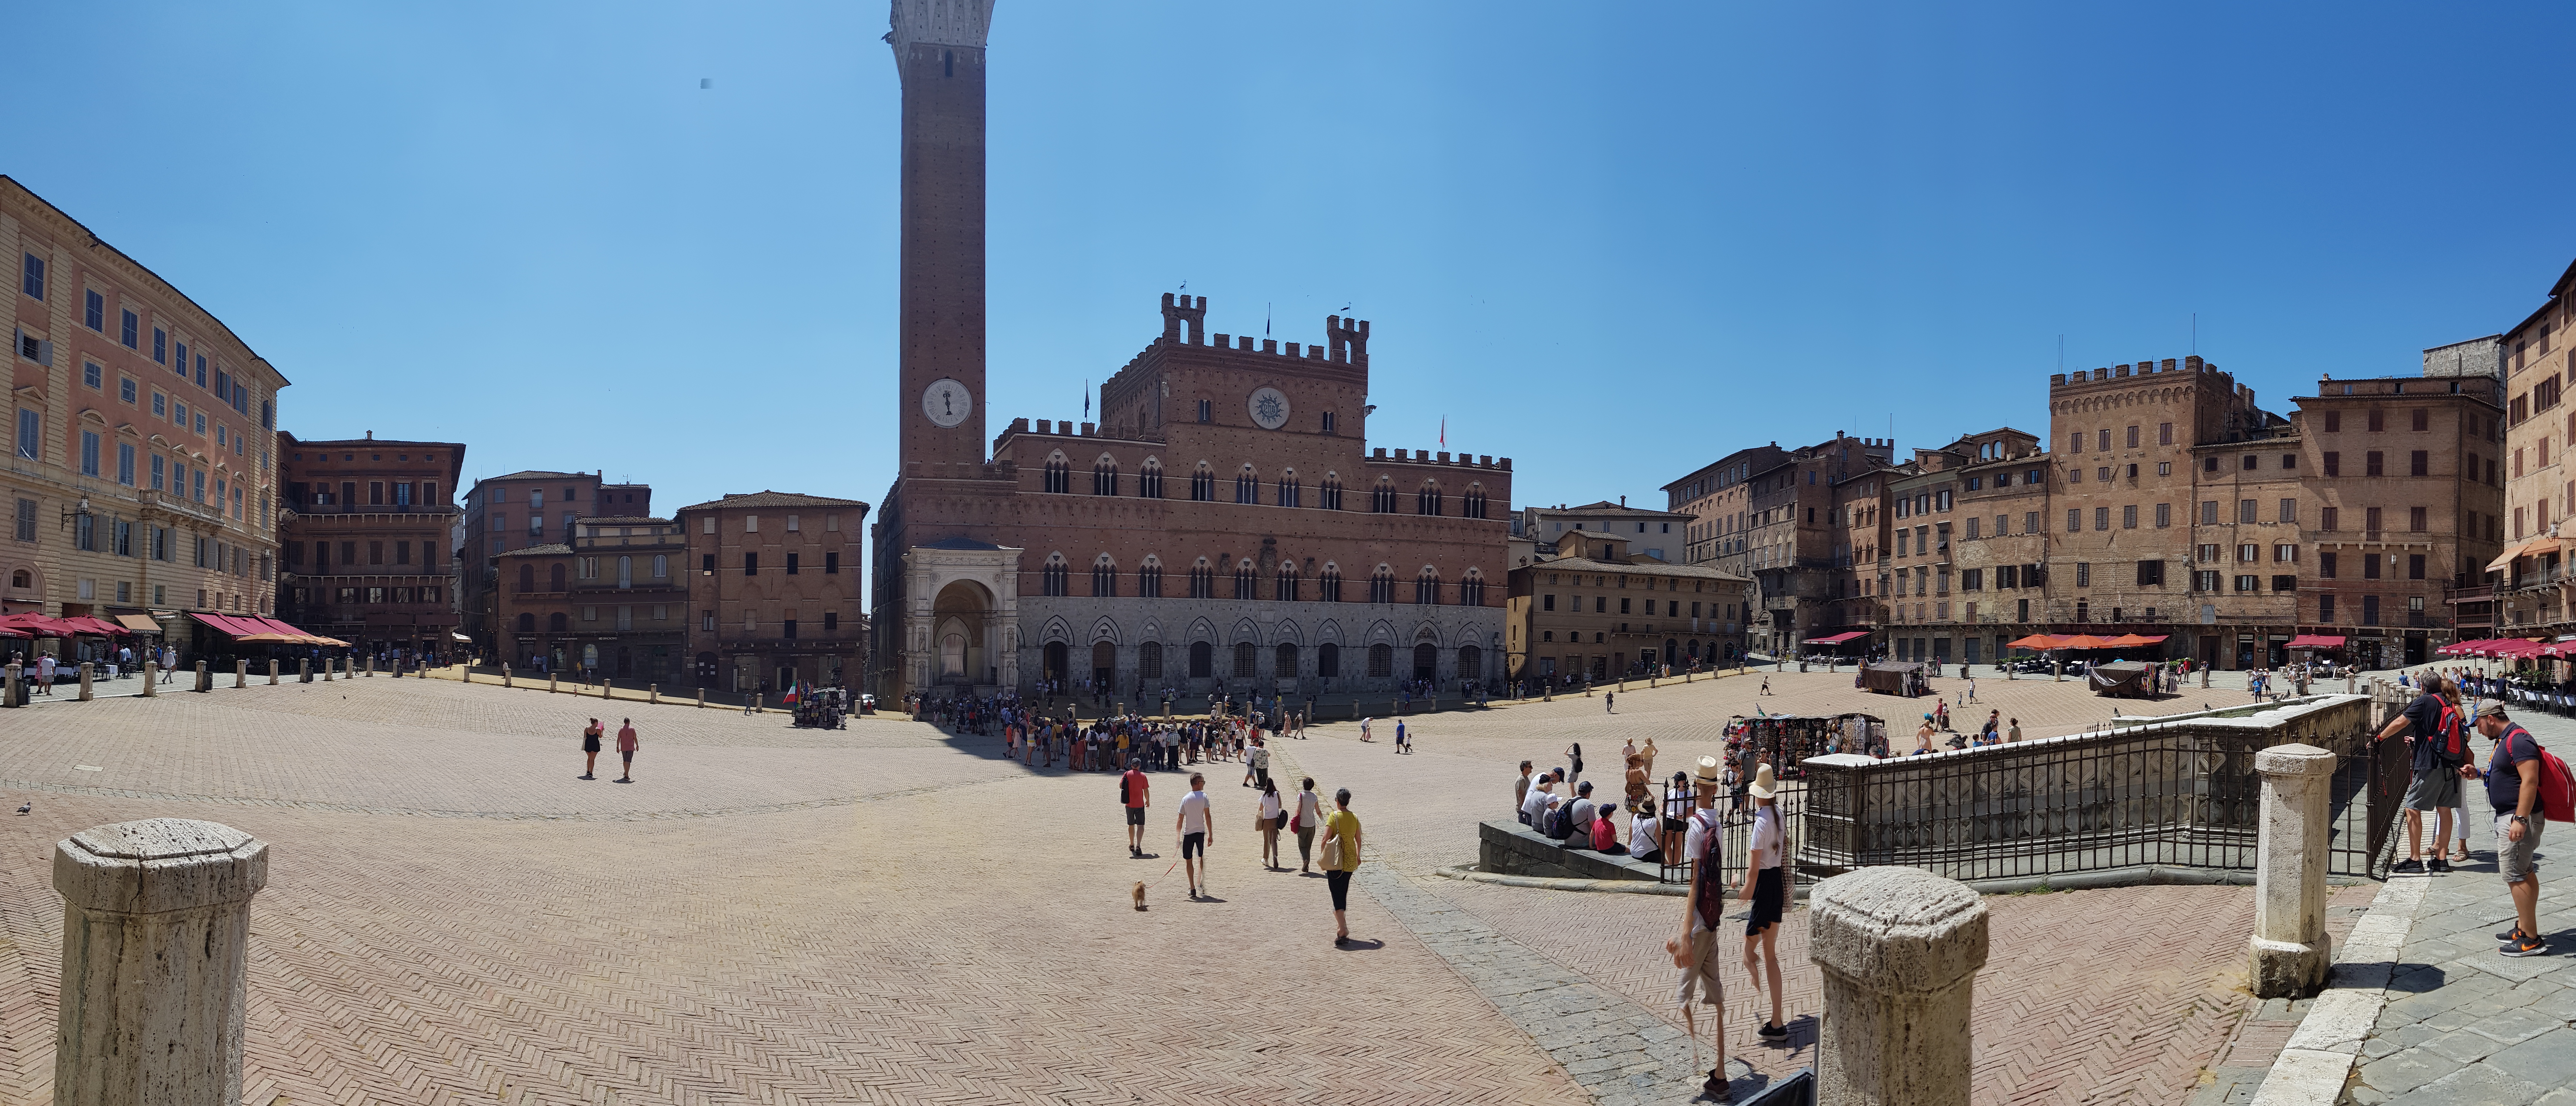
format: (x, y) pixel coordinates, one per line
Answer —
(1770, 899)
(1340, 883)
(1193, 844)
(1701, 974)
(1135, 815)
(2514, 858)
(628, 754)
(2433, 790)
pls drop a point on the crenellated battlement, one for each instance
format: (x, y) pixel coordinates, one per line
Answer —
(1424, 457)
(1185, 322)
(2081, 377)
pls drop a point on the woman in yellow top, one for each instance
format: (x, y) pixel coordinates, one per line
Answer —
(1342, 843)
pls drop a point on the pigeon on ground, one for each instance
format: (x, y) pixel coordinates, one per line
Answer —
(26, 806)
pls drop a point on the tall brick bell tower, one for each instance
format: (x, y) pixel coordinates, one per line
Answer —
(944, 610)
(939, 53)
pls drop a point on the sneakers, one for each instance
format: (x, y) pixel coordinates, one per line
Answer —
(2509, 934)
(2523, 945)
(2438, 866)
(2406, 866)
(1774, 1032)
(1715, 1088)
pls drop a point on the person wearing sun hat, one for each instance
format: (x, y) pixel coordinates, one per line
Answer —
(1765, 886)
(1695, 950)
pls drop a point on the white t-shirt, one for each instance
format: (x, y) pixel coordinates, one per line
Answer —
(1642, 836)
(1194, 812)
(1310, 810)
(1766, 837)
(1270, 807)
(1696, 838)
(1536, 806)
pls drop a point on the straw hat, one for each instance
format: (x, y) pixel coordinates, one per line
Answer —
(1764, 784)
(1707, 773)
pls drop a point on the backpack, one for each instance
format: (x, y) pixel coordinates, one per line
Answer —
(2557, 788)
(1123, 797)
(2448, 737)
(1559, 822)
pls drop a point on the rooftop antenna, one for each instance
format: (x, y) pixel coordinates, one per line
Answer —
(2195, 333)
(1265, 320)
(2061, 353)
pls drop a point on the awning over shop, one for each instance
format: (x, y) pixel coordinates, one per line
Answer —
(40, 625)
(2316, 641)
(139, 623)
(2510, 648)
(2131, 641)
(1837, 639)
(2526, 549)
(457, 636)
(2035, 641)
(96, 627)
(2080, 641)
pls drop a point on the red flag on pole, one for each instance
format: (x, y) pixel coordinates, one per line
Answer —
(1444, 430)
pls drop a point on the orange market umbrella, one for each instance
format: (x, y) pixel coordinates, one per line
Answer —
(2081, 641)
(2130, 641)
(2034, 641)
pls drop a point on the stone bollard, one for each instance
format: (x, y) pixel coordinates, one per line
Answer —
(85, 673)
(505, 676)
(326, 670)
(653, 693)
(272, 672)
(702, 698)
(205, 679)
(2290, 948)
(241, 673)
(151, 676)
(156, 920)
(756, 708)
(369, 665)
(16, 693)
(1899, 949)
(303, 670)
(553, 682)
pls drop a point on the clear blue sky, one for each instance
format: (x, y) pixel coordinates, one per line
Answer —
(1613, 241)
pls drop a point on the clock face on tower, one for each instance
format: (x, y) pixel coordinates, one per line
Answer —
(1269, 409)
(947, 402)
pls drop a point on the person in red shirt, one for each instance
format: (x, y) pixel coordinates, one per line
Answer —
(1134, 787)
(626, 748)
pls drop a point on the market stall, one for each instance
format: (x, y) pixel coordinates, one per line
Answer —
(2124, 680)
(1907, 678)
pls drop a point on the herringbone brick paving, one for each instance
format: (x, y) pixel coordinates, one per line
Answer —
(880, 914)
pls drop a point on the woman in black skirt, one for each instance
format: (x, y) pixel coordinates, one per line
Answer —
(1766, 888)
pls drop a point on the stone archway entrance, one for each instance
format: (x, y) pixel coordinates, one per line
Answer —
(1104, 664)
(961, 625)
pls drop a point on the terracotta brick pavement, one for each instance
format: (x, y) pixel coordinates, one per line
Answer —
(889, 913)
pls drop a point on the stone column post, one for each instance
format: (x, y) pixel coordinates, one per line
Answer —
(505, 676)
(241, 673)
(16, 694)
(702, 698)
(205, 678)
(156, 917)
(756, 708)
(303, 670)
(151, 676)
(272, 672)
(652, 693)
(371, 665)
(86, 671)
(1899, 949)
(2290, 950)
(552, 682)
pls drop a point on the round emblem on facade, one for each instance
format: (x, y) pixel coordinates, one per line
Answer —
(1269, 408)
(947, 402)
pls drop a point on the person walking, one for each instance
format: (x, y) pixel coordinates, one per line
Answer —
(1259, 758)
(1309, 818)
(590, 750)
(1272, 814)
(1766, 887)
(2514, 778)
(1132, 789)
(2014, 732)
(1197, 829)
(1341, 858)
(1364, 730)
(626, 750)
(1400, 734)
(1609, 702)
(2441, 748)
(1694, 951)
(1574, 762)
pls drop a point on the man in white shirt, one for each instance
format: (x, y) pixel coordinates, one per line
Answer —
(1695, 951)
(1534, 805)
(1195, 828)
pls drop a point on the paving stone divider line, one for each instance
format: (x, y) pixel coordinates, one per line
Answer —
(2315, 1065)
(1616, 1051)
(491, 815)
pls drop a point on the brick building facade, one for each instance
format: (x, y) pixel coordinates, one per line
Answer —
(1770, 515)
(514, 514)
(1596, 608)
(1224, 525)
(140, 476)
(364, 533)
(773, 586)
(2537, 360)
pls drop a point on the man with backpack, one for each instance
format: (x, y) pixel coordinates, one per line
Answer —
(2441, 748)
(1131, 794)
(1695, 950)
(2527, 786)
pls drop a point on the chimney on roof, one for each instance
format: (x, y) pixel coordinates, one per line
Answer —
(371, 435)
(1623, 501)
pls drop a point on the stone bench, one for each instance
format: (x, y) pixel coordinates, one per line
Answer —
(1510, 848)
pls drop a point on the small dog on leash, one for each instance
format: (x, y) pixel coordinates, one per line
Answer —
(1138, 893)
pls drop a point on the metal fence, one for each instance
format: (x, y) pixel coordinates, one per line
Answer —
(2172, 795)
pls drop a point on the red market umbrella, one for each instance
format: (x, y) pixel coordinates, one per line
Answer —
(2080, 641)
(2034, 641)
